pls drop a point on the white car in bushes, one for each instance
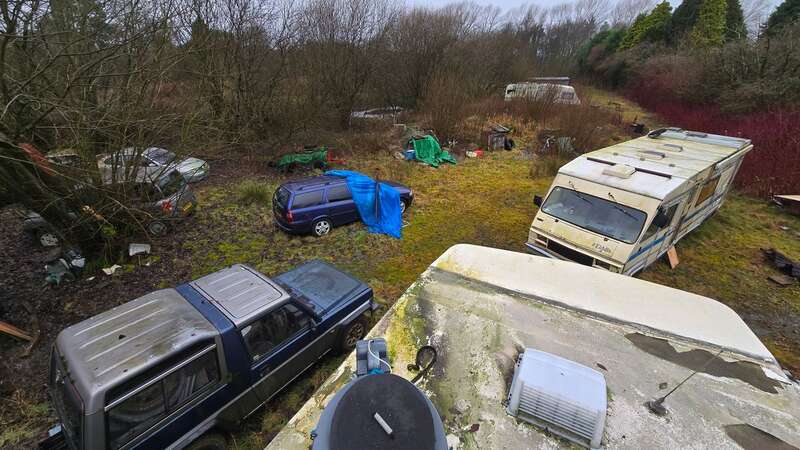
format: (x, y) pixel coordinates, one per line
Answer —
(137, 164)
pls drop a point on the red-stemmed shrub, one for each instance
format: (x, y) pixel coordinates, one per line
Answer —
(773, 167)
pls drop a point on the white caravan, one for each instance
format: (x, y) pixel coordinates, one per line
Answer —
(558, 93)
(622, 207)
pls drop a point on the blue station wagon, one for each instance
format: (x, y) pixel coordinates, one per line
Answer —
(317, 204)
(177, 367)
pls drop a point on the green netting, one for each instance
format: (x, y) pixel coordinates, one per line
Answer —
(320, 154)
(428, 151)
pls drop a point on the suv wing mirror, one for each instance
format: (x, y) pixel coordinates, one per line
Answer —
(537, 200)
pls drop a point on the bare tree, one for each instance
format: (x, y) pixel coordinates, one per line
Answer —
(625, 11)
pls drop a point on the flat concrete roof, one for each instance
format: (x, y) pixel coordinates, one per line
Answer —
(481, 307)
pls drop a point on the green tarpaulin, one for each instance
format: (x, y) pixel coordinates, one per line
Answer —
(306, 158)
(428, 151)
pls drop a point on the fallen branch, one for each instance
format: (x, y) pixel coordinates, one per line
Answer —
(14, 331)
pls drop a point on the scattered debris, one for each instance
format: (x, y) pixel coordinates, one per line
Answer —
(782, 263)
(475, 154)
(790, 202)
(672, 255)
(138, 249)
(781, 279)
(427, 149)
(313, 156)
(553, 141)
(11, 330)
(497, 138)
(65, 268)
(638, 127)
(111, 270)
(602, 367)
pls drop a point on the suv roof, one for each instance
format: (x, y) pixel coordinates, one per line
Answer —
(240, 292)
(308, 183)
(125, 341)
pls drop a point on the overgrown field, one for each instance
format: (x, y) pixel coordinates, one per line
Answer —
(485, 201)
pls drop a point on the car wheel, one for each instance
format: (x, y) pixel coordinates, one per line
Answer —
(210, 441)
(157, 228)
(403, 207)
(47, 238)
(322, 227)
(353, 333)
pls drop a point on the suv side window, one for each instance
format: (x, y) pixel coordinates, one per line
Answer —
(183, 384)
(270, 331)
(307, 199)
(339, 193)
(133, 409)
(130, 418)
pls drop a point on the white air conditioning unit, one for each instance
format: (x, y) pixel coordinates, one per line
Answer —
(562, 396)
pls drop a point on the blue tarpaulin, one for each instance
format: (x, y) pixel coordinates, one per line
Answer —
(381, 217)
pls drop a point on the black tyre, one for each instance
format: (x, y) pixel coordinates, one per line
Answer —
(46, 238)
(403, 206)
(210, 441)
(157, 228)
(321, 227)
(351, 334)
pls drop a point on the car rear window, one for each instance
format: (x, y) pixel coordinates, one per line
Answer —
(307, 199)
(281, 197)
(339, 193)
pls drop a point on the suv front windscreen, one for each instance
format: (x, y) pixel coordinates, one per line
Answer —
(602, 216)
(67, 402)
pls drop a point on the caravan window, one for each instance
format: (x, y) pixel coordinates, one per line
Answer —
(706, 191)
(596, 214)
(653, 229)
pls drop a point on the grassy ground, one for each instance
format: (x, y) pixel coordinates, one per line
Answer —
(484, 201)
(489, 202)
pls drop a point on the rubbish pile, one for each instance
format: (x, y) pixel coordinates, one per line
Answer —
(790, 268)
(497, 138)
(316, 157)
(427, 150)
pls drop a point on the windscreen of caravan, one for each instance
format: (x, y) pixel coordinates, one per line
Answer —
(602, 216)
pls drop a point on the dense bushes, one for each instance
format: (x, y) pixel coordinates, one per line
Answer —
(773, 166)
(699, 70)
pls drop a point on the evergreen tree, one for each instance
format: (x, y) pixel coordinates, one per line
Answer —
(735, 28)
(653, 27)
(684, 18)
(709, 30)
(787, 13)
(634, 34)
(657, 25)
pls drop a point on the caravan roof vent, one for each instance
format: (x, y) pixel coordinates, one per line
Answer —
(619, 171)
(562, 396)
(651, 154)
